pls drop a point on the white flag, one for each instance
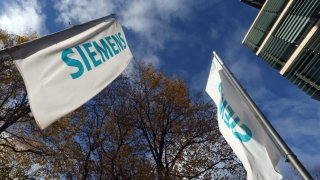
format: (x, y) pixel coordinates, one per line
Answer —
(241, 128)
(64, 70)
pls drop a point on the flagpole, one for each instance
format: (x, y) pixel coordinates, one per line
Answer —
(289, 155)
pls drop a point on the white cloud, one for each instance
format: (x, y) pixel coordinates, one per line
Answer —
(214, 33)
(22, 17)
(79, 11)
(148, 20)
(244, 68)
(199, 81)
(152, 59)
(297, 120)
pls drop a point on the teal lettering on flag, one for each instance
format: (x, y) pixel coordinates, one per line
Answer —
(231, 119)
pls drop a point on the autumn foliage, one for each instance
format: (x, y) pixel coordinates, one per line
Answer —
(144, 125)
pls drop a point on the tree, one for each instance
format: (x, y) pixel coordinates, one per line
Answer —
(98, 142)
(180, 133)
(14, 105)
(14, 109)
(144, 127)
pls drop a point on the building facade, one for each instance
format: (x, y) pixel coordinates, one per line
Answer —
(286, 34)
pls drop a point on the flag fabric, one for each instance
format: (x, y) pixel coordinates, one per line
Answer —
(240, 126)
(64, 70)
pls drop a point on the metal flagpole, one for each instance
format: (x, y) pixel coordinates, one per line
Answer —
(289, 155)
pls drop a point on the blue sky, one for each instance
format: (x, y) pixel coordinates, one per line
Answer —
(178, 37)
